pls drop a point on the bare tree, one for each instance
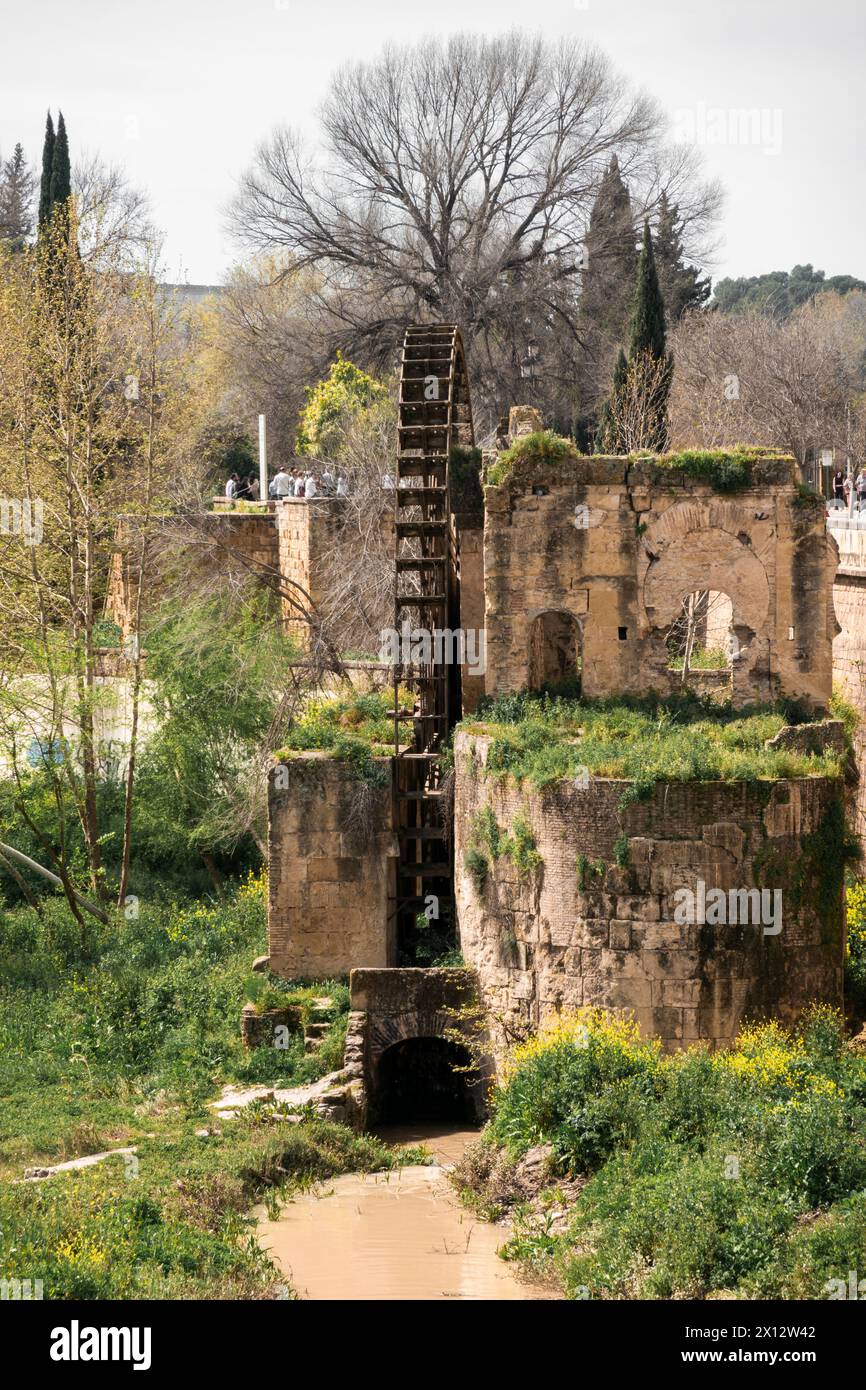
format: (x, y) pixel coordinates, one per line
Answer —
(456, 184)
(356, 573)
(749, 378)
(639, 402)
(259, 348)
(114, 225)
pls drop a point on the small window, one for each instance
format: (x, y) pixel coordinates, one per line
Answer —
(539, 491)
(623, 634)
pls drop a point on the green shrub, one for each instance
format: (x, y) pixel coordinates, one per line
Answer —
(740, 1171)
(547, 738)
(529, 450)
(477, 867)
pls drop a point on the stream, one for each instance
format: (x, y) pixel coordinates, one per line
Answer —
(394, 1235)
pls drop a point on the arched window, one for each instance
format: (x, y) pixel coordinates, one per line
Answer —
(554, 649)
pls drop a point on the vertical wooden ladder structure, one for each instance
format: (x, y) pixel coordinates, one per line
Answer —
(435, 416)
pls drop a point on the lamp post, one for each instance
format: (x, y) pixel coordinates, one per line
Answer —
(263, 460)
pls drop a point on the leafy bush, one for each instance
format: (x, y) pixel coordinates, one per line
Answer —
(357, 729)
(741, 1170)
(855, 961)
(330, 405)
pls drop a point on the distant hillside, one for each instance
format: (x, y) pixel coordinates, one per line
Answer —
(779, 291)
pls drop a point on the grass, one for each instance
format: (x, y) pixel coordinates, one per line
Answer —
(543, 739)
(725, 470)
(122, 1044)
(740, 1173)
(703, 659)
(177, 1226)
(356, 728)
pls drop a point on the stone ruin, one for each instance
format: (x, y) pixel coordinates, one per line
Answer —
(587, 563)
(583, 567)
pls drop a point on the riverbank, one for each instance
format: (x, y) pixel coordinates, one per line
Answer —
(397, 1235)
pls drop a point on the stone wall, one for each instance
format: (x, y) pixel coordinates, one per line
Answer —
(309, 539)
(599, 553)
(849, 672)
(307, 531)
(582, 930)
(470, 531)
(247, 541)
(394, 1006)
(331, 853)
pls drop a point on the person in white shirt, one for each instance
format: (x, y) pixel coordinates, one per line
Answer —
(282, 483)
(231, 485)
(311, 488)
(342, 486)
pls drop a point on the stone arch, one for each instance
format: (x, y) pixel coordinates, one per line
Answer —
(425, 1078)
(709, 559)
(394, 1006)
(555, 647)
(389, 1032)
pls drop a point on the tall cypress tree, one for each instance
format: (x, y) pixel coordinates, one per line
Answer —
(641, 382)
(648, 310)
(681, 284)
(47, 166)
(611, 257)
(606, 284)
(61, 175)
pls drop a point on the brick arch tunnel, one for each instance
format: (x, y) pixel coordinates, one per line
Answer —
(404, 1049)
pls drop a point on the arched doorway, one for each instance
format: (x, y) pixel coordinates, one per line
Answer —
(555, 640)
(704, 641)
(421, 1079)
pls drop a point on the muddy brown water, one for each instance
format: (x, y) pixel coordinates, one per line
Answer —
(395, 1235)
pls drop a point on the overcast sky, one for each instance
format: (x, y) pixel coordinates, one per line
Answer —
(180, 92)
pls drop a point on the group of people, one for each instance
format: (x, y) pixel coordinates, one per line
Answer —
(248, 487)
(842, 489)
(298, 482)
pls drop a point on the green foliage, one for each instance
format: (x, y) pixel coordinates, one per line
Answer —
(477, 867)
(779, 292)
(706, 1171)
(356, 728)
(47, 164)
(587, 870)
(332, 403)
(547, 738)
(218, 680)
(855, 960)
(486, 830)
(681, 284)
(728, 471)
(528, 451)
(620, 851)
(841, 709)
(647, 328)
(521, 848)
(488, 839)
